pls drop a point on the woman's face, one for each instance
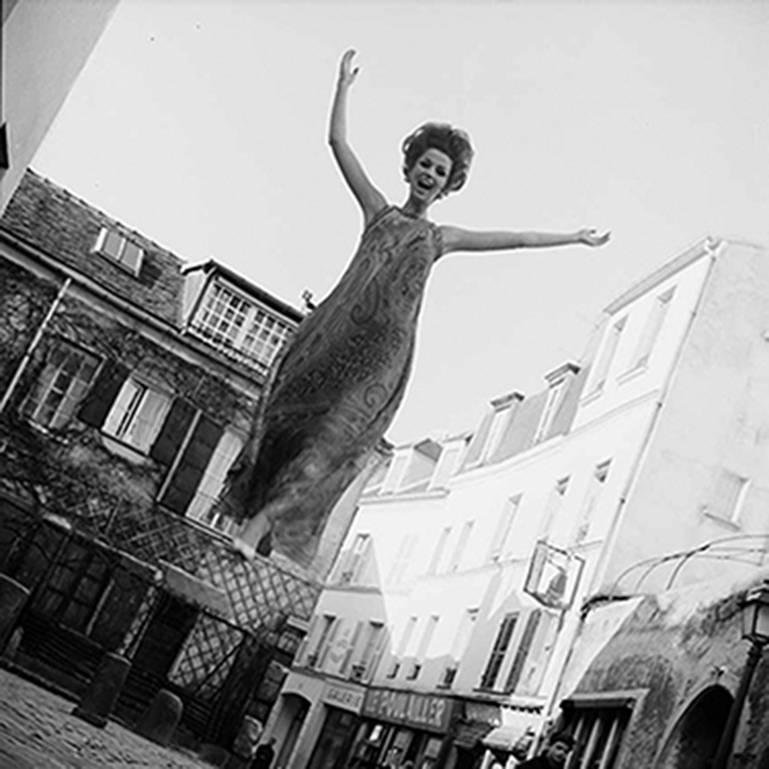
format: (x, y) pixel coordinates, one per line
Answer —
(429, 175)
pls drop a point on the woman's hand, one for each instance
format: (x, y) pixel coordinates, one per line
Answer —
(347, 73)
(591, 237)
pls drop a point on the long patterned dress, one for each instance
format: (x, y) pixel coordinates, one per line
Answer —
(338, 386)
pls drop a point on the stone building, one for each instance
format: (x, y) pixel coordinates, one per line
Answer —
(128, 380)
(448, 622)
(652, 678)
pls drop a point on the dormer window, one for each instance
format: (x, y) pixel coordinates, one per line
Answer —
(238, 324)
(557, 381)
(120, 250)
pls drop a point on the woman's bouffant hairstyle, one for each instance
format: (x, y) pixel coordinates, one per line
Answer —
(444, 137)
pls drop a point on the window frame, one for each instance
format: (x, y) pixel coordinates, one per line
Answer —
(606, 356)
(251, 307)
(132, 414)
(116, 256)
(40, 392)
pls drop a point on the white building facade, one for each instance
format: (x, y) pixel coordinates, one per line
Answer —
(448, 620)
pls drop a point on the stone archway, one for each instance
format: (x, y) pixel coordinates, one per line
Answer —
(693, 742)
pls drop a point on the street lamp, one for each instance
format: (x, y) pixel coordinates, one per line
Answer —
(755, 627)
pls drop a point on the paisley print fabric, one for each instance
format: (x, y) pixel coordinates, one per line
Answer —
(337, 387)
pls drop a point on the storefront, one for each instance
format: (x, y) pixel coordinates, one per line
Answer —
(315, 721)
(341, 704)
(402, 729)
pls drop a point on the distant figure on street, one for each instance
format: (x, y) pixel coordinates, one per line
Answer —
(558, 748)
(339, 381)
(265, 755)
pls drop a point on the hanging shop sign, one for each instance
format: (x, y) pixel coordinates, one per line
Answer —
(421, 711)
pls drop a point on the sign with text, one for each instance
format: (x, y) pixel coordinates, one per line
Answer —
(422, 711)
(345, 697)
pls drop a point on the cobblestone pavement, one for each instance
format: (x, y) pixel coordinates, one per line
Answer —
(37, 731)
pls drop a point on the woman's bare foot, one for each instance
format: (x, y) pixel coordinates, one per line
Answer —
(253, 537)
(243, 549)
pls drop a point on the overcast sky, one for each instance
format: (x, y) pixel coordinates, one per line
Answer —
(203, 125)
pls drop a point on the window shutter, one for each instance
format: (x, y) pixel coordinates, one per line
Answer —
(523, 650)
(351, 647)
(97, 403)
(479, 440)
(181, 488)
(173, 431)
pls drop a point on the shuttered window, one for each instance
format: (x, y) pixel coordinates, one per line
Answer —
(137, 414)
(652, 328)
(606, 358)
(179, 489)
(502, 534)
(498, 651)
(98, 401)
(522, 653)
(212, 482)
(173, 431)
(64, 380)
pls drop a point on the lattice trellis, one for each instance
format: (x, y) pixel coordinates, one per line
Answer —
(207, 656)
(261, 593)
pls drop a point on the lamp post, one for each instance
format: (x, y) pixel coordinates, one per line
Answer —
(755, 627)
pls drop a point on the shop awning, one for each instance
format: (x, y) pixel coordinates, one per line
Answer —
(505, 737)
(469, 734)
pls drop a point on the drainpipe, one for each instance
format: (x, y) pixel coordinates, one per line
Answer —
(33, 344)
(712, 249)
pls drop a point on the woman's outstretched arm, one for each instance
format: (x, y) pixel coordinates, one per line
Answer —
(368, 196)
(458, 239)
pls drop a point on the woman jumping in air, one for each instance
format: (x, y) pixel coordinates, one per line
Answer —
(341, 378)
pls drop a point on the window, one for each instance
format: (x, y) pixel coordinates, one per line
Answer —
(729, 496)
(502, 535)
(464, 632)
(396, 473)
(65, 379)
(439, 549)
(232, 321)
(408, 632)
(459, 550)
(607, 354)
(522, 653)
(447, 464)
(424, 646)
(402, 559)
(652, 328)
(595, 489)
(554, 504)
(265, 335)
(121, 250)
(371, 647)
(598, 732)
(498, 651)
(356, 561)
(551, 407)
(212, 482)
(325, 636)
(499, 422)
(137, 414)
(73, 593)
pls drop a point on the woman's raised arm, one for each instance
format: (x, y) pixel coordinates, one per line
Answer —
(458, 239)
(368, 196)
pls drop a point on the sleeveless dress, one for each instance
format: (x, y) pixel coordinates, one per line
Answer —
(337, 386)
